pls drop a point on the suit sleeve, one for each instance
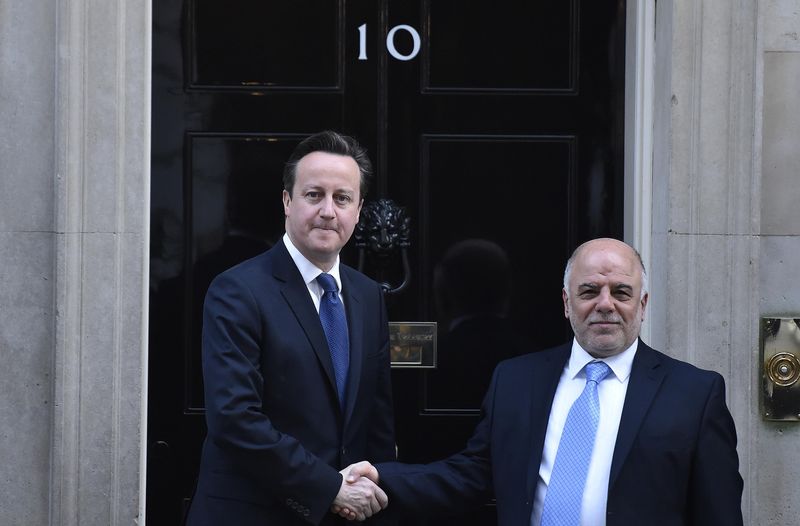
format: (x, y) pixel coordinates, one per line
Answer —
(380, 439)
(233, 393)
(715, 491)
(381, 445)
(457, 483)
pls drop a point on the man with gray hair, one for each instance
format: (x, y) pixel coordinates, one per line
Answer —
(600, 431)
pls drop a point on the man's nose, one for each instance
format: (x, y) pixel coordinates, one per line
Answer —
(605, 302)
(326, 209)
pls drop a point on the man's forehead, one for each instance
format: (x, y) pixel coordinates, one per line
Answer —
(321, 160)
(614, 273)
(321, 186)
(607, 259)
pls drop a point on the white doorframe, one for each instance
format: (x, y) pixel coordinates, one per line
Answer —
(639, 74)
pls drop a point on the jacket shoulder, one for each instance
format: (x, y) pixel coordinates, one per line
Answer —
(356, 278)
(529, 361)
(249, 271)
(682, 369)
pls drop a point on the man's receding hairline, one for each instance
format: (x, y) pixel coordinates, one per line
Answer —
(611, 242)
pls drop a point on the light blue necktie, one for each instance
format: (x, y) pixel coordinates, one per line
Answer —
(562, 503)
(334, 323)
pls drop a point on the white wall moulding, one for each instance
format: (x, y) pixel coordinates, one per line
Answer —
(101, 226)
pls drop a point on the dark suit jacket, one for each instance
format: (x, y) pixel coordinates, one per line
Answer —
(674, 462)
(277, 436)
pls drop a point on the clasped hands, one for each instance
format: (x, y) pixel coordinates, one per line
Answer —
(359, 497)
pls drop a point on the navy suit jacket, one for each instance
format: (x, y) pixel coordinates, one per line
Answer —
(674, 461)
(277, 436)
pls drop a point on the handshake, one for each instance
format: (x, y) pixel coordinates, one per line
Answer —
(359, 496)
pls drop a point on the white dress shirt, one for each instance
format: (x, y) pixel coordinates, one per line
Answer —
(611, 393)
(310, 271)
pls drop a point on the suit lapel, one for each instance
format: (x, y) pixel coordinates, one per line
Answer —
(296, 294)
(647, 373)
(355, 325)
(544, 381)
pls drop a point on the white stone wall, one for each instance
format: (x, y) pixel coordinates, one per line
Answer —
(776, 462)
(725, 226)
(27, 263)
(74, 194)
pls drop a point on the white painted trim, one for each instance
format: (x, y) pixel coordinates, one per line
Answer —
(639, 74)
(147, 87)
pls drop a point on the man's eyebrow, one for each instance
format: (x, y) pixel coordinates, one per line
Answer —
(595, 286)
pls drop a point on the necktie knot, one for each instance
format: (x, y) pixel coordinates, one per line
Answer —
(596, 371)
(327, 282)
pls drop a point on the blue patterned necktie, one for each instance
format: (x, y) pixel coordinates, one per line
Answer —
(562, 503)
(334, 323)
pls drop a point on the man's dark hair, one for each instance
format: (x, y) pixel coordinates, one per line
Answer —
(330, 142)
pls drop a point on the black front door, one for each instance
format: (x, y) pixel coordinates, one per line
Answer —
(497, 125)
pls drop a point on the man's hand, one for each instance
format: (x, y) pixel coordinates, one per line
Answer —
(353, 472)
(359, 497)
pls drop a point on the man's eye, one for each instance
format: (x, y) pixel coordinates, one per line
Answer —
(343, 199)
(312, 195)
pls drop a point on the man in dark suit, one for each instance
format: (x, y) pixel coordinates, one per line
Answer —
(291, 399)
(661, 452)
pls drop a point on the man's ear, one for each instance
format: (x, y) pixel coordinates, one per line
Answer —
(644, 304)
(358, 212)
(287, 200)
(565, 298)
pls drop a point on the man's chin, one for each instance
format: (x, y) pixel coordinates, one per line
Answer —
(325, 251)
(325, 241)
(604, 347)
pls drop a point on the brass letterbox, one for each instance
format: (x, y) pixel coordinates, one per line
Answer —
(412, 344)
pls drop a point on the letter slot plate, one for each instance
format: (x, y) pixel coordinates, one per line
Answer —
(780, 368)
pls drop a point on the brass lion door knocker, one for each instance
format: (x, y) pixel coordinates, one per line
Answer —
(383, 230)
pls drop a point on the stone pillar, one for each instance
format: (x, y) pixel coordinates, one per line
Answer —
(775, 462)
(74, 196)
(27, 258)
(101, 186)
(718, 265)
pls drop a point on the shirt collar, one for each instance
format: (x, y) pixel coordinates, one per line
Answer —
(620, 364)
(307, 269)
